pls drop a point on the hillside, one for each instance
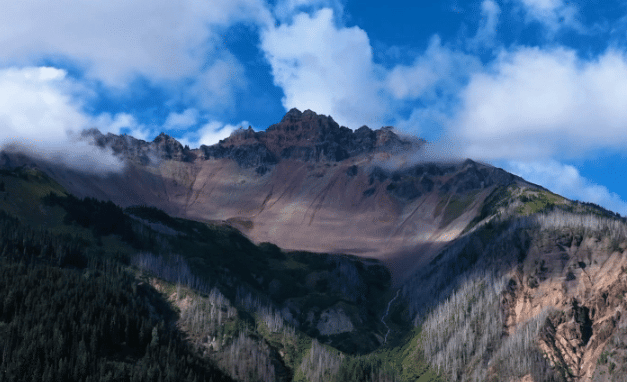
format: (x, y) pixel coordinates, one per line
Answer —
(308, 252)
(298, 181)
(240, 301)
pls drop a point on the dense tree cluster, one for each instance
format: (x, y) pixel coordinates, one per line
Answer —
(92, 324)
(21, 243)
(105, 218)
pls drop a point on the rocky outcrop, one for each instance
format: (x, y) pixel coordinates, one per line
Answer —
(140, 151)
(303, 179)
(334, 321)
(305, 136)
(246, 156)
(475, 176)
(583, 280)
(308, 137)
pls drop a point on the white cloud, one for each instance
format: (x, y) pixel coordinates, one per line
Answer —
(184, 120)
(40, 116)
(566, 180)
(329, 68)
(211, 133)
(326, 68)
(33, 104)
(553, 14)
(438, 66)
(535, 103)
(486, 33)
(284, 10)
(118, 39)
(178, 46)
(115, 124)
(218, 85)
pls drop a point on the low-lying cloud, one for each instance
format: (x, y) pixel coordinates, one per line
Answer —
(40, 117)
(211, 133)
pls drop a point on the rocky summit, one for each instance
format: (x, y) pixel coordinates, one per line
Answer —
(304, 136)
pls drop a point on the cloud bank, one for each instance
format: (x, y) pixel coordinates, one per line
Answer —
(535, 103)
(39, 116)
(525, 104)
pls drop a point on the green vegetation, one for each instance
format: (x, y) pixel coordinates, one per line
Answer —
(497, 200)
(538, 201)
(90, 291)
(612, 365)
(23, 190)
(456, 206)
(67, 315)
(221, 255)
(407, 357)
(227, 307)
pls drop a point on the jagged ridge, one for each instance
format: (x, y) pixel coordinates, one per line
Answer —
(305, 136)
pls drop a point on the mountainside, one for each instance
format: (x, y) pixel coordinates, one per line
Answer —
(304, 253)
(299, 181)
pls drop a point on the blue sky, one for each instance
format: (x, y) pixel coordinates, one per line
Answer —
(538, 87)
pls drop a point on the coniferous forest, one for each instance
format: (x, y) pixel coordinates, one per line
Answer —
(65, 316)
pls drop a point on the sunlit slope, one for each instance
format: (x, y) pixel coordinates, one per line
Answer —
(355, 206)
(315, 289)
(533, 291)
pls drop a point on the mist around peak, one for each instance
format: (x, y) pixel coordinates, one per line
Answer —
(72, 151)
(41, 117)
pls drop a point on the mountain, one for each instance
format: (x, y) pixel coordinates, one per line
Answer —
(312, 252)
(298, 181)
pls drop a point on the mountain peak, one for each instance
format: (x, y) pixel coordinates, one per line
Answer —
(163, 137)
(305, 136)
(291, 115)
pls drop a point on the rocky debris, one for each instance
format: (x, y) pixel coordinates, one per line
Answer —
(414, 181)
(170, 148)
(352, 171)
(566, 334)
(388, 141)
(587, 305)
(334, 321)
(405, 189)
(475, 176)
(247, 156)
